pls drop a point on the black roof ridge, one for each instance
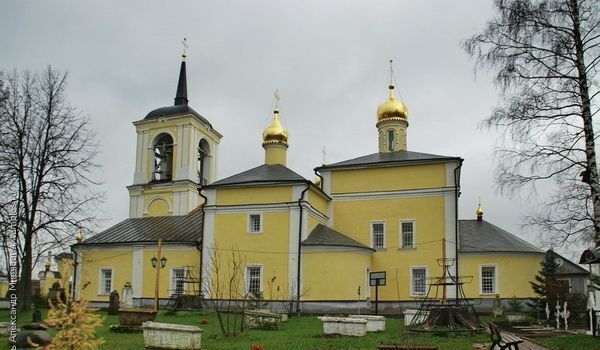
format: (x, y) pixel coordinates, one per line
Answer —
(394, 158)
(322, 229)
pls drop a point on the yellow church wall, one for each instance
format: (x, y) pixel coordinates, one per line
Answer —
(3, 288)
(317, 201)
(314, 221)
(176, 258)
(254, 195)
(354, 219)
(388, 178)
(322, 280)
(513, 273)
(120, 261)
(268, 248)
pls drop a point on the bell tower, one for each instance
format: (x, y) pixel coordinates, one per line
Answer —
(176, 154)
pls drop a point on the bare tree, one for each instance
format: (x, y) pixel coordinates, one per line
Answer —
(47, 169)
(225, 287)
(545, 56)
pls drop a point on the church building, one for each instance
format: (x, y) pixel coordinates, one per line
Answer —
(391, 211)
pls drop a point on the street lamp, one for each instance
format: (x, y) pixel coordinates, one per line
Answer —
(162, 260)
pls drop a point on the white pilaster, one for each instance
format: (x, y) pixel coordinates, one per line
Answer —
(137, 272)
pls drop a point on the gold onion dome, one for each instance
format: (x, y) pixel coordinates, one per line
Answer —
(479, 211)
(392, 108)
(275, 133)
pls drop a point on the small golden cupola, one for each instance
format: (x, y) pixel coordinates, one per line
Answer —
(479, 212)
(392, 121)
(275, 139)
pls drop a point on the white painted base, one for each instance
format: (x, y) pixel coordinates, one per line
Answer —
(171, 336)
(375, 323)
(354, 327)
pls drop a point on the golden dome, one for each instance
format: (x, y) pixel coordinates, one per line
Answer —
(392, 108)
(275, 133)
(479, 211)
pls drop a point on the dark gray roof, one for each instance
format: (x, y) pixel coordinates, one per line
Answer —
(322, 235)
(568, 267)
(481, 236)
(388, 158)
(274, 173)
(590, 256)
(171, 111)
(185, 228)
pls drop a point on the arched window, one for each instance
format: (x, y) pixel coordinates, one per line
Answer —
(391, 140)
(203, 162)
(163, 157)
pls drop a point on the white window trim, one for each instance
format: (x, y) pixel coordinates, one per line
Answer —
(172, 286)
(410, 278)
(248, 229)
(400, 235)
(371, 233)
(100, 279)
(496, 286)
(246, 278)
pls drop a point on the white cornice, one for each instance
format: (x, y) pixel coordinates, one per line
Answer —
(425, 192)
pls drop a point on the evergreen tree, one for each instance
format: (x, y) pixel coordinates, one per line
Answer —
(547, 287)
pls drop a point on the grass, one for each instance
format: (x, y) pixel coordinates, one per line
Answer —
(305, 332)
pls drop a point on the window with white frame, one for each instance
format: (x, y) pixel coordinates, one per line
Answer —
(488, 279)
(378, 235)
(177, 280)
(253, 274)
(105, 282)
(418, 278)
(254, 223)
(407, 234)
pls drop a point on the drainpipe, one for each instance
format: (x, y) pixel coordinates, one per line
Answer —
(320, 177)
(300, 200)
(74, 286)
(200, 245)
(456, 195)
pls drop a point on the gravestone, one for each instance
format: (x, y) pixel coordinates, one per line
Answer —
(56, 294)
(127, 301)
(37, 315)
(113, 303)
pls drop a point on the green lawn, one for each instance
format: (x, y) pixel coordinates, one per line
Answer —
(304, 332)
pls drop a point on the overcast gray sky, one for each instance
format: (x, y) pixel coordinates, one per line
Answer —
(329, 60)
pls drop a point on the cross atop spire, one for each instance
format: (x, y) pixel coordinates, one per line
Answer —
(185, 46)
(276, 97)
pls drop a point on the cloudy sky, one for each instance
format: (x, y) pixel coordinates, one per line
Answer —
(329, 60)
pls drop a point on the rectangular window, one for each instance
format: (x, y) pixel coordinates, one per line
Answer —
(105, 283)
(418, 281)
(378, 233)
(253, 279)
(408, 234)
(254, 223)
(488, 279)
(177, 280)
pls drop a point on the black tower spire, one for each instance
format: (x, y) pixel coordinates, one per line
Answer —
(181, 96)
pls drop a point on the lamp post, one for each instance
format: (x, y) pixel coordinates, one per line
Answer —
(155, 265)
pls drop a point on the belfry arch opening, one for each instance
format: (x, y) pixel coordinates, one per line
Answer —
(163, 157)
(203, 162)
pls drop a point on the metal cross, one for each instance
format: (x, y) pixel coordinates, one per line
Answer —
(276, 94)
(185, 45)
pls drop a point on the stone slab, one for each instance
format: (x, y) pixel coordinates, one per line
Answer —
(354, 327)
(159, 335)
(375, 323)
